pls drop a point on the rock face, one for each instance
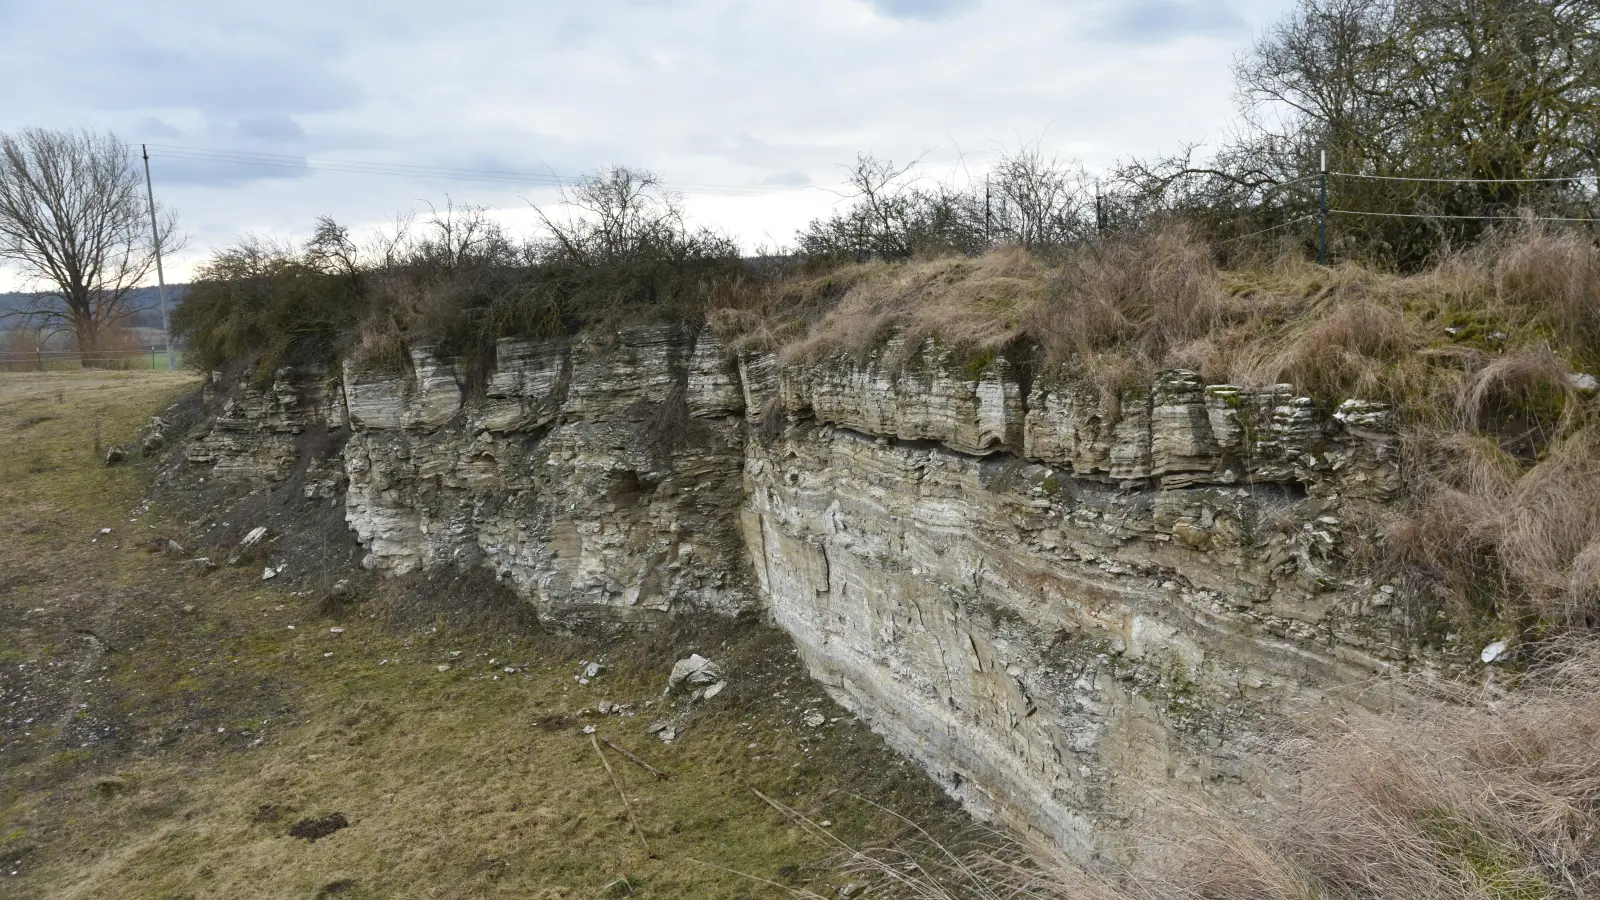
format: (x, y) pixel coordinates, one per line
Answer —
(1063, 604)
(553, 480)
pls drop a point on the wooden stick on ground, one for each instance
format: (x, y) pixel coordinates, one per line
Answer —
(617, 783)
(660, 775)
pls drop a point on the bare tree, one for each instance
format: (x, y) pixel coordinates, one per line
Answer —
(619, 213)
(1040, 199)
(1503, 91)
(73, 221)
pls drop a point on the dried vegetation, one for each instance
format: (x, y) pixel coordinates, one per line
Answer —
(1477, 354)
(1494, 796)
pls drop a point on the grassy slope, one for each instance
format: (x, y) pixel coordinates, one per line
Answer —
(162, 730)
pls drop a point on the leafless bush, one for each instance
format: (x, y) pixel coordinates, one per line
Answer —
(668, 424)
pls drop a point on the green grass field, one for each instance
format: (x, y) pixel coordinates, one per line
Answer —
(163, 731)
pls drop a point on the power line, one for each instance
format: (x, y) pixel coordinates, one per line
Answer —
(492, 176)
(1353, 212)
(1573, 178)
(1252, 234)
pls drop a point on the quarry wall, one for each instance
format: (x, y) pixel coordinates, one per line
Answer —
(1072, 608)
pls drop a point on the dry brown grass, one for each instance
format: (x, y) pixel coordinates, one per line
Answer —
(1471, 793)
(1474, 354)
(973, 304)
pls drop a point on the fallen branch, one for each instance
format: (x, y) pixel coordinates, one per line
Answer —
(660, 775)
(626, 806)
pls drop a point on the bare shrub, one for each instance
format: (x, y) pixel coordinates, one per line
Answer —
(668, 424)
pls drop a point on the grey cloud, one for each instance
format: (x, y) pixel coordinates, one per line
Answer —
(273, 128)
(168, 170)
(788, 179)
(237, 81)
(155, 128)
(1156, 21)
(921, 9)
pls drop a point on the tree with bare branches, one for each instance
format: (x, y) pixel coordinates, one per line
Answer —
(74, 223)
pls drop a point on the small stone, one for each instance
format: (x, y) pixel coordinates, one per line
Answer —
(713, 690)
(1493, 652)
(188, 608)
(256, 536)
(202, 564)
(175, 548)
(336, 630)
(340, 588)
(815, 719)
(115, 455)
(588, 729)
(153, 444)
(105, 531)
(667, 734)
(657, 726)
(592, 669)
(269, 573)
(605, 707)
(694, 671)
(443, 667)
(1582, 382)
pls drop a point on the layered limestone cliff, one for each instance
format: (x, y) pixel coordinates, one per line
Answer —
(1064, 605)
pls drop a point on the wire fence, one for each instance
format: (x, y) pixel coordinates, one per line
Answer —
(1577, 205)
(134, 359)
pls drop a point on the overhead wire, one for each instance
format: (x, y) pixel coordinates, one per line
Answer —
(1389, 215)
(1572, 178)
(1252, 234)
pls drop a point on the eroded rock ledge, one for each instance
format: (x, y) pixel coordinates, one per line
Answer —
(1064, 605)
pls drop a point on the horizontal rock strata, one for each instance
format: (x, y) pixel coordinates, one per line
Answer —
(1062, 603)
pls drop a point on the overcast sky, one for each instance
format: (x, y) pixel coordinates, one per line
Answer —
(771, 97)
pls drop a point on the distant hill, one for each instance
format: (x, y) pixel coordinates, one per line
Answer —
(147, 299)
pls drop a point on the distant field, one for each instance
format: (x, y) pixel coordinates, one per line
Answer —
(65, 360)
(165, 733)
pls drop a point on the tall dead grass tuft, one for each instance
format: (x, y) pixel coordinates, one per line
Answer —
(1142, 295)
(973, 304)
(1477, 793)
(1523, 397)
(1351, 349)
(1485, 525)
(1552, 278)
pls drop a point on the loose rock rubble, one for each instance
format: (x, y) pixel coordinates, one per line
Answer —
(693, 671)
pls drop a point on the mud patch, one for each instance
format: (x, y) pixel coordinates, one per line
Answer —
(313, 830)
